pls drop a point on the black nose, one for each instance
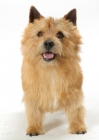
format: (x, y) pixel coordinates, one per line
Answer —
(48, 44)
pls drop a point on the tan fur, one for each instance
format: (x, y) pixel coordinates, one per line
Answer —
(55, 85)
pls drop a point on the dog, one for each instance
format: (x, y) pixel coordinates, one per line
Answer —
(51, 74)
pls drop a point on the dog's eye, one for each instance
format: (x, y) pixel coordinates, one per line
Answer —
(40, 34)
(60, 35)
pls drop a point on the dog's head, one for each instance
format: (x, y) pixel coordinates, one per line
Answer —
(51, 40)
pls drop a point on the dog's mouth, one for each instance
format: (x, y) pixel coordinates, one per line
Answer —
(48, 56)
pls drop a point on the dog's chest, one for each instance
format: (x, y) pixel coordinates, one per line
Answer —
(54, 98)
(54, 86)
(54, 93)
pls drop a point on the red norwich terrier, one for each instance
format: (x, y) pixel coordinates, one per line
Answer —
(51, 74)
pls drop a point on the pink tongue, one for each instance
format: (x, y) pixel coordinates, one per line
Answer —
(48, 55)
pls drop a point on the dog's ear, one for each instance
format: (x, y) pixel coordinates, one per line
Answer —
(71, 16)
(34, 14)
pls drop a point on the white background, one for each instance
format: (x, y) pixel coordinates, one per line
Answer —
(13, 20)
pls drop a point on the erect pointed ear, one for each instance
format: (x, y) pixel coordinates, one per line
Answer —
(34, 14)
(71, 16)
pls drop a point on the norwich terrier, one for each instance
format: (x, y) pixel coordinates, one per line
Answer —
(51, 74)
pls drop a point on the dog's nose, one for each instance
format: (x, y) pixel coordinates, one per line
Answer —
(48, 44)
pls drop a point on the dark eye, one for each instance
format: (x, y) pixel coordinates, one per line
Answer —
(60, 35)
(40, 34)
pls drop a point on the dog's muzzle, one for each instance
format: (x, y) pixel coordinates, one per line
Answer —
(48, 55)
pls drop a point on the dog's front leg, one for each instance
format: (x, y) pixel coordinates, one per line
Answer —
(35, 118)
(76, 120)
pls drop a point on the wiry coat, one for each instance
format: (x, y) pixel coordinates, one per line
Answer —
(55, 85)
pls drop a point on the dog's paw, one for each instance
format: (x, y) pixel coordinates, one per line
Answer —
(32, 131)
(81, 132)
(77, 129)
(32, 134)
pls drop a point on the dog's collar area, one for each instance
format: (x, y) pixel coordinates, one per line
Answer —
(48, 56)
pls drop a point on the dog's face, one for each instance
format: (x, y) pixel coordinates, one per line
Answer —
(50, 40)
